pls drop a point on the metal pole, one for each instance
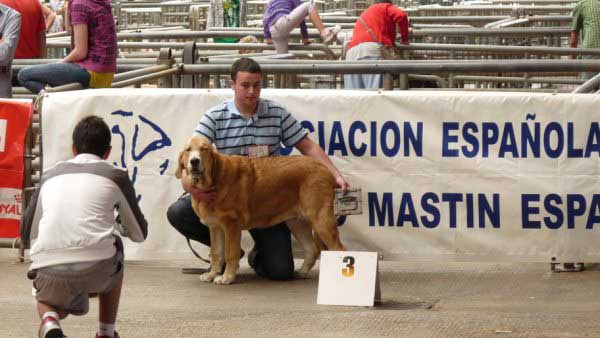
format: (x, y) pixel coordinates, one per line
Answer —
(388, 81)
(139, 72)
(158, 75)
(589, 86)
(189, 58)
(425, 67)
(165, 59)
(12, 243)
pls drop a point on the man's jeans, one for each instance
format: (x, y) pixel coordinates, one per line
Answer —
(35, 78)
(273, 245)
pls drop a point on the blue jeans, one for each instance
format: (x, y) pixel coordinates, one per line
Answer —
(35, 78)
(273, 245)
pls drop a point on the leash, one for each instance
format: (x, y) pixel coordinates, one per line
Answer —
(190, 244)
(195, 253)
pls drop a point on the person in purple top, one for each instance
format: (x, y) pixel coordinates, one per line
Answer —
(92, 61)
(282, 16)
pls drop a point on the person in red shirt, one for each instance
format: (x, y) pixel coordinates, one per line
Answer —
(32, 42)
(381, 18)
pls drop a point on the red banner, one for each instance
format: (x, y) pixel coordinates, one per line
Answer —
(15, 118)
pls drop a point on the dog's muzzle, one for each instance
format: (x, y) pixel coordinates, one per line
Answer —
(196, 167)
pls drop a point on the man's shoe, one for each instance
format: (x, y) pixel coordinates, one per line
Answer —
(50, 328)
(328, 34)
(569, 267)
(115, 336)
(252, 258)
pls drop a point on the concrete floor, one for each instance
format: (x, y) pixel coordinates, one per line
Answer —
(419, 300)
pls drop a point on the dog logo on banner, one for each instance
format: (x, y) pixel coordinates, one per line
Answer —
(135, 155)
(2, 135)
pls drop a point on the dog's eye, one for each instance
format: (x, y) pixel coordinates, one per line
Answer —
(188, 148)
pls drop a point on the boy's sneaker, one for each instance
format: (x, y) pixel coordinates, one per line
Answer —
(115, 336)
(328, 34)
(50, 328)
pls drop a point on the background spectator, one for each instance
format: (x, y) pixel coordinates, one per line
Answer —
(381, 18)
(586, 19)
(58, 7)
(32, 41)
(10, 25)
(49, 17)
(282, 16)
(248, 39)
(92, 61)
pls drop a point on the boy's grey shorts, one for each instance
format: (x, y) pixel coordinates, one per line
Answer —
(68, 291)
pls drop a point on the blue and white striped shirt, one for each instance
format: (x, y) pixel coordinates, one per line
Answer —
(232, 133)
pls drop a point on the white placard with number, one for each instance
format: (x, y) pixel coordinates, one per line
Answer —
(348, 278)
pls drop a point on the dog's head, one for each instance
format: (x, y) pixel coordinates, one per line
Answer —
(197, 160)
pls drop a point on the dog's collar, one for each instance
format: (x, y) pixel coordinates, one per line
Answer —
(209, 190)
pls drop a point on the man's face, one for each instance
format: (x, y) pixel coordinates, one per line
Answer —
(247, 88)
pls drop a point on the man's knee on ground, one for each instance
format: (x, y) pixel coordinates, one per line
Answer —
(276, 270)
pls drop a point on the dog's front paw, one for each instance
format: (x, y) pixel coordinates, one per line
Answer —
(208, 277)
(302, 274)
(224, 280)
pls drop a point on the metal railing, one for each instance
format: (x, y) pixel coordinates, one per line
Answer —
(190, 69)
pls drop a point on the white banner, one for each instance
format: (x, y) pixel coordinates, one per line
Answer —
(444, 175)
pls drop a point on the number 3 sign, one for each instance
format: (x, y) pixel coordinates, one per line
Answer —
(348, 278)
(348, 271)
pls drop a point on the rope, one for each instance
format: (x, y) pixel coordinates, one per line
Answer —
(195, 253)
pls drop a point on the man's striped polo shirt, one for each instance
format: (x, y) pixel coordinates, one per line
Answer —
(232, 133)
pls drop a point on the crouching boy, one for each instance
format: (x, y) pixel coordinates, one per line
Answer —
(71, 220)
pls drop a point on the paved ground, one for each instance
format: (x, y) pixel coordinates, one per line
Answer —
(419, 300)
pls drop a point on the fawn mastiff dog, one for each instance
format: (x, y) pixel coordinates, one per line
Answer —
(258, 193)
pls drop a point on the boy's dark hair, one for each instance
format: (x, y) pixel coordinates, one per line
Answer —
(244, 65)
(382, 2)
(91, 136)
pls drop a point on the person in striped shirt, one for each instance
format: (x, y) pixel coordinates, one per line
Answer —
(235, 126)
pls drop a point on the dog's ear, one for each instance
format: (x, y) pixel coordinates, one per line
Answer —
(180, 165)
(208, 162)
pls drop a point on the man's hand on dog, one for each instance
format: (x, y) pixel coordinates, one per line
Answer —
(199, 194)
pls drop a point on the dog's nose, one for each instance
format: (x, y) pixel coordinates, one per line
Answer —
(195, 162)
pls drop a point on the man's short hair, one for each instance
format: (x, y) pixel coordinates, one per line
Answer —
(382, 2)
(244, 65)
(91, 136)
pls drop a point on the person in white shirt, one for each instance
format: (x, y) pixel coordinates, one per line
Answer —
(10, 28)
(71, 221)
